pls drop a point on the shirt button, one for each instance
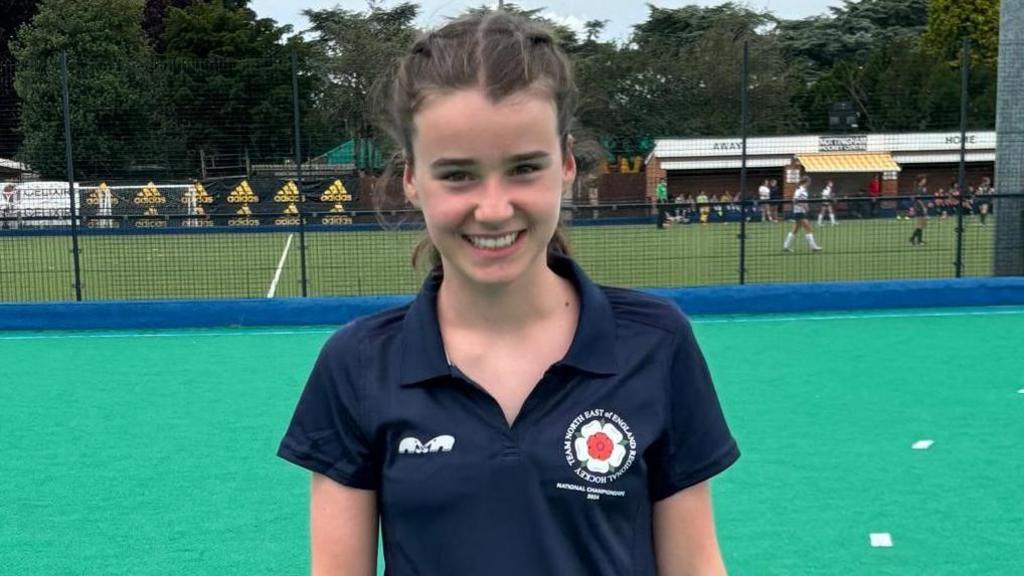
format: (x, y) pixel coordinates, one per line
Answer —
(510, 452)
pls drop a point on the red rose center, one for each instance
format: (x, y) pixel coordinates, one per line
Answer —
(600, 446)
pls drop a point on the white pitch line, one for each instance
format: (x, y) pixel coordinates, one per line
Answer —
(170, 334)
(852, 316)
(881, 540)
(280, 266)
(922, 444)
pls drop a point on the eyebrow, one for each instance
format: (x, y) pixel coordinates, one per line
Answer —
(468, 162)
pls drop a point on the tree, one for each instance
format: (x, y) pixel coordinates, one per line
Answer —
(229, 82)
(594, 28)
(865, 52)
(851, 33)
(950, 21)
(16, 13)
(111, 117)
(687, 78)
(353, 51)
(672, 31)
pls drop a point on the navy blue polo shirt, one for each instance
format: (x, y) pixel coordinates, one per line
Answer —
(628, 417)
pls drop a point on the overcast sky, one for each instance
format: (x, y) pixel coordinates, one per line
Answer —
(572, 12)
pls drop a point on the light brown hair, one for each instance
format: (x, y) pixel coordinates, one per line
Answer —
(498, 52)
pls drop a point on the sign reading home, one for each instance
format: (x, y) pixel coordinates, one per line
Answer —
(843, 143)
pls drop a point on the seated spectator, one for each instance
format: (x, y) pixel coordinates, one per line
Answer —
(716, 205)
(702, 207)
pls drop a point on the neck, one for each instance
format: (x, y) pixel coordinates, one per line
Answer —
(538, 295)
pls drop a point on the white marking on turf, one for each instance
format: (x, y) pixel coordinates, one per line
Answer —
(922, 444)
(217, 334)
(280, 266)
(881, 540)
(852, 316)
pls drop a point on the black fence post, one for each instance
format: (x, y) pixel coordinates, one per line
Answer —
(76, 262)
(743, 162)
(298, 177)
(962, 177)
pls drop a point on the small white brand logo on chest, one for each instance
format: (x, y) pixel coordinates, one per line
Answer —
(410, 445)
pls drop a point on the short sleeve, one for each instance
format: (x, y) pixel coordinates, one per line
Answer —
(696, 443)
(327, 433)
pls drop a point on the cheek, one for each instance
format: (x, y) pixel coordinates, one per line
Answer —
(442, 211)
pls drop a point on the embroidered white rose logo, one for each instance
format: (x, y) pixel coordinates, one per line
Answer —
(599, 446)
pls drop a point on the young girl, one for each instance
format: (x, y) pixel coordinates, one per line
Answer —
(516, 418)
(800, 210)
(920, 210)
(826, 205)
(764, 194)
(984, 194)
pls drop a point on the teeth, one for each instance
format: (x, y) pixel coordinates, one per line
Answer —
(493, 243)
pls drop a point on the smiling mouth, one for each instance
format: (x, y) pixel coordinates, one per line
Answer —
(493, 242)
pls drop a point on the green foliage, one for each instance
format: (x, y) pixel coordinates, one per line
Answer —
(877, 55)
(229, 83)
(110, 108)
(851, 33)
(221, 80)
(681, 76)
(352, 52)
(672, 31)
(15, 14)
(950, 21)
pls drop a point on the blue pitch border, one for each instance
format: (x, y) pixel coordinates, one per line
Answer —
(751, 299)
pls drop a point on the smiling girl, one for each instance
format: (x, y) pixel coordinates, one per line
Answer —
(516, 418)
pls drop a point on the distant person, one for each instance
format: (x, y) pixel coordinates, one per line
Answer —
(661, 197)
(702, 207)
(775, 194)
(919, 210)
(800, 210)
(8, 207)
(717, 205)
(875, 195)
(826, 205)
(940, 203)
(984, 199)
(764, 195)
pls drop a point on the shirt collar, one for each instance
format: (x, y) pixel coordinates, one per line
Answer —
(592, 350)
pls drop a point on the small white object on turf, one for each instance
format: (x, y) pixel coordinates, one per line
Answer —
(923, 444)
(881, 540)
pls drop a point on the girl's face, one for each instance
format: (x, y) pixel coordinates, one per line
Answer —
(489, 179)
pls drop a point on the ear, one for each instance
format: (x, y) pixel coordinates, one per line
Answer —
(568, 166)
(409, 185)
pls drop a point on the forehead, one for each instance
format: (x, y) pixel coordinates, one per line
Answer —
(468, 123)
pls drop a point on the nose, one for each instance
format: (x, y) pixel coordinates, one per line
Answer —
(493, 204)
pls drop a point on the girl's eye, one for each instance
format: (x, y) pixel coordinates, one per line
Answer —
(525, 169)
(457, 177)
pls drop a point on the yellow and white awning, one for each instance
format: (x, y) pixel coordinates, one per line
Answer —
(849, 162)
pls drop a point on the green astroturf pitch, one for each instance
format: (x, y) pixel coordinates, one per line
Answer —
(146, 453)
(244, 265)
